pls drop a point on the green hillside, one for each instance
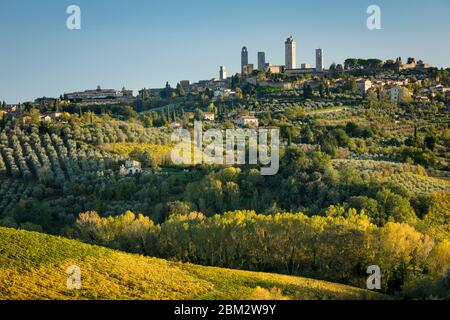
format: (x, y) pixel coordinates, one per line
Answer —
(33, 266)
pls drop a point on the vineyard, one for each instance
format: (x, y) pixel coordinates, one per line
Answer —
(108, 274)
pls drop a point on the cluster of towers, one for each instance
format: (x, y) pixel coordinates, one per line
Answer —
(290, 59)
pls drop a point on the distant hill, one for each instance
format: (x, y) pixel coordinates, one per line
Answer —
(34, 265)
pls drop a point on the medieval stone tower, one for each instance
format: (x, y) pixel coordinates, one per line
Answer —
(291, 53)
(244, 58)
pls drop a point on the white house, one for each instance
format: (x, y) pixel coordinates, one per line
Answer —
(209, 116)
(52, 116)
(176, 125)
(55, 115)
(364, 85)
(223, 92)
(46, 118)
(438, 89)
(395, 92)
(398, 93)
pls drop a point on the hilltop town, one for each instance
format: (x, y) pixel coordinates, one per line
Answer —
(410, 82)
(364, 159)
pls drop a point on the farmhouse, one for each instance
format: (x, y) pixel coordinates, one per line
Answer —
(247, 121)
(209, 116)
(131, 167)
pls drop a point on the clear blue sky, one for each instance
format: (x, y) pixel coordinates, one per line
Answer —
(143, 43)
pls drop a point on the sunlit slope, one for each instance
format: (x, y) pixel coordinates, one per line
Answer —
(34, 265)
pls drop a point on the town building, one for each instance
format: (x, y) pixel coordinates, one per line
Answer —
(12, 109)
(437, 89)
(285, 85)
(98, 94)
(52, 116)
(421, 66)
(186, 85)
(26, 120)
(45, 118)
(394, 93)
(290, 53)
(247, 69)
(261, 61)
(397, 93)
(422, 98)
(153, 93)
(363, 85)
(274, 69)
(297, 72)
(46, 102)
(413, 65)
(213, 84)
(223, 93)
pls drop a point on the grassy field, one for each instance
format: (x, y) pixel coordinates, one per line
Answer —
(34, 266)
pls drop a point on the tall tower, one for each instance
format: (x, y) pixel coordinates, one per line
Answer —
(223, 73)
(244, 58)
(291, 53)
(319, 60)
(261, 61)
